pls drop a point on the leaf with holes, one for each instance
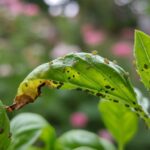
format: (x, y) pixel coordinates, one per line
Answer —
(142, 56)
(4, 129)
(82, 140)
(81, 71)
(31, 131)
(119, 120)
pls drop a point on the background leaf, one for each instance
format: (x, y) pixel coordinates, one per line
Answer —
(120, 121)
(31, 131)
(80, 139)
(4, 128)
(142, 56)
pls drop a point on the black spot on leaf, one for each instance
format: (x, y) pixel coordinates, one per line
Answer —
(26, 84)
(116, 101)
(145, 66)
(107, 86)
(10, 135)
(78, 89)
(127, 105)
(112, 89)
(1, 130)
(134, 103)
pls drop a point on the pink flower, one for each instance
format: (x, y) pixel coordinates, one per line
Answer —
(122, 49)
(78, 120)
(106, 135)
(92, 36)
(30, 9)
(15, 7)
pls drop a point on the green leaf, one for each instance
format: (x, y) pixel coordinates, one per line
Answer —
(82, 71)
(31, 131)
(78, 139)
(84, 148)
(142, 56)
(120, 121)
(4, 129)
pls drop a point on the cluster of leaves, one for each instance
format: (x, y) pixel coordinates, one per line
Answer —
(93, 74)
(32, 132)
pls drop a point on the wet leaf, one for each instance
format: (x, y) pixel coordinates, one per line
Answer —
(80, 140)
(142, 56)
(119, 120)
(31, 131)
(4, 129)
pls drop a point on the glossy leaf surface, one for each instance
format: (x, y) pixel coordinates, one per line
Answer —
(80, 139)
(31, 131)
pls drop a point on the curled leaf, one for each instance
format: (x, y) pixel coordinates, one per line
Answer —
(80, 71)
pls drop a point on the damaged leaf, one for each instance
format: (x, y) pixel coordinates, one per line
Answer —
(142, 56)
(80, 71)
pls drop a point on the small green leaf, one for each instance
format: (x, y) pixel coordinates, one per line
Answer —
(142, 56)
(120, 120)
(4, 129)
(78, 139)
(31, 131)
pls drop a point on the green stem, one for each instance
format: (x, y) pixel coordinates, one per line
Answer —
(120, 146)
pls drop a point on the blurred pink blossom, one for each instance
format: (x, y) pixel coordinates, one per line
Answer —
(61, 49)
(92, 36)
(17, 7)
(122, 49)
(78, 120)
(14, 6)
(30, 9)
(106, 135)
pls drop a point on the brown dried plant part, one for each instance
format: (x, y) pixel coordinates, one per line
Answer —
(32, 90)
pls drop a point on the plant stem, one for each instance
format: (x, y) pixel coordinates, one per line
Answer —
(120, 146)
